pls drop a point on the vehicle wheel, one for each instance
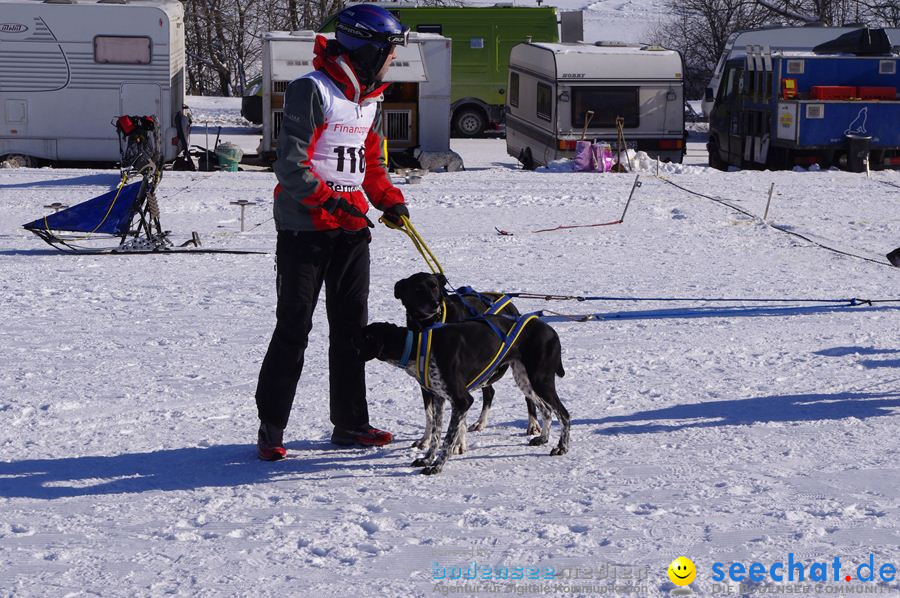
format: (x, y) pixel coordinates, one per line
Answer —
(469, 122)
(527, 159)
(715, 158)
(18, 161)
(251, 109)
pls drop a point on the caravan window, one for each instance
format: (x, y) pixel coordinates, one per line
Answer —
(607, 103)
(514, 89)
(544, 101)
(439, 29)
(119, 49)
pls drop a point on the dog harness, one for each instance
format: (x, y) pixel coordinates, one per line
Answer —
(505, 346)
(422, 341)
(407, 347)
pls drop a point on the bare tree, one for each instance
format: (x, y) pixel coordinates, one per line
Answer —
(699, 29)
(884, 12)
(875, 13)
(224, 37)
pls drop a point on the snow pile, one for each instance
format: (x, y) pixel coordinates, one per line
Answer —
(634, 161)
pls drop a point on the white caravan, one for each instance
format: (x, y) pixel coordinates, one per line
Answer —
(68, 68)
(772, 39)
(553, 87)
(416, 108)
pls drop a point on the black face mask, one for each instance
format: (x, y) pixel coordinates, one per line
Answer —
(367, 61)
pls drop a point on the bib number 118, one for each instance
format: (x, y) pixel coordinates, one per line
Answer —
(356, 156)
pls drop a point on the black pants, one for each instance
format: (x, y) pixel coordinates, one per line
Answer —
(305, 260)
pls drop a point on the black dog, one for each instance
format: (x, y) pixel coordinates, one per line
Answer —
(427, 303)
(459, 354)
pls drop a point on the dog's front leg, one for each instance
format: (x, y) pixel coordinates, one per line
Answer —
(424, 443)
(460, 406)
(437, 422)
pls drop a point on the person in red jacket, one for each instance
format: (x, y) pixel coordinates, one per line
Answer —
(329, 160)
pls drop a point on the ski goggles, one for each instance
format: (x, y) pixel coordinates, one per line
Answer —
(400, 38)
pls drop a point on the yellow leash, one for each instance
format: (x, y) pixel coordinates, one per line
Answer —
(417, 240)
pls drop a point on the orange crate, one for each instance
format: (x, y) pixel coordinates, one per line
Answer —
(878, 93)
(832, 92)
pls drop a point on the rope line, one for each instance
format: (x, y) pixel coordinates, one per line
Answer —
(548, 297)
(778, 228)
(707, 312)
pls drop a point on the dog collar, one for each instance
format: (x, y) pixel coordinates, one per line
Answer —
(407, 349)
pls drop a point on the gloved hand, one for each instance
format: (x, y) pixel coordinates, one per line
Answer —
(394, 213)
(336, 202)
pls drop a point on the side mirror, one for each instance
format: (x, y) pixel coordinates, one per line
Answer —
(709, 94)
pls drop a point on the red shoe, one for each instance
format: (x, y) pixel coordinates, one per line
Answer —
(366, 436)
(271, 453)
(269, 443)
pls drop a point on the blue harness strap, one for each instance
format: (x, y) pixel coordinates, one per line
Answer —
(407, 349)
(423, 355)
(511, 337)
(494, 310)
(498, 305)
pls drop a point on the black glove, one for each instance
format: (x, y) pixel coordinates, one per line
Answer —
(394, 213)
(333, 203)
(336, 202)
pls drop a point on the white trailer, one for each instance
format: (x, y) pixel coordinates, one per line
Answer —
(68, 68)
(552, 87)
(416, 108)
(771, 39)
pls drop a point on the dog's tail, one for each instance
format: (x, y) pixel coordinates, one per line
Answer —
(559, 369)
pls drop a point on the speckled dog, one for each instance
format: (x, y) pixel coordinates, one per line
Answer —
(459, 353)
(426, 303)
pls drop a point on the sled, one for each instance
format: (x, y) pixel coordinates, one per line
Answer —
(124, 220)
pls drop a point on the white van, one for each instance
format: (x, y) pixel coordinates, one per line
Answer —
(67, 69)
(416, 108)
(552, 87)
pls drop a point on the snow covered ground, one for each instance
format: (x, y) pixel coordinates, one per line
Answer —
(127, 465)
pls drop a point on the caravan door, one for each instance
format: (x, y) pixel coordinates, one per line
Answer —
(141, 99)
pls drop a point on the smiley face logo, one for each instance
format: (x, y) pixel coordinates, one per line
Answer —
(682, 571)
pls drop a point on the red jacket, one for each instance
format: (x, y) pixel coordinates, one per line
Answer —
(302, 187)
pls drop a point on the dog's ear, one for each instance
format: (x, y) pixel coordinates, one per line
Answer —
(442, 280)
(398, 288)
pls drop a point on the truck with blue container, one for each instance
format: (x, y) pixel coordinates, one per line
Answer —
(836, 105)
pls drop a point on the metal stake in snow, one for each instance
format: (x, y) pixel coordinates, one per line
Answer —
(56, 206)
(637, 183)
(243, 203)
(766, 214)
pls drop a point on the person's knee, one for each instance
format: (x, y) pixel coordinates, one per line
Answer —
(348, 314)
